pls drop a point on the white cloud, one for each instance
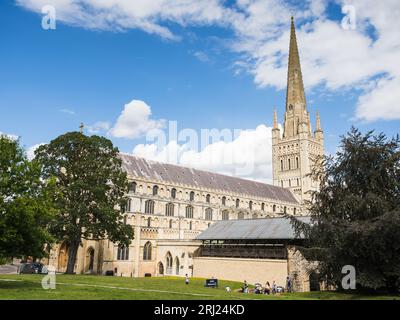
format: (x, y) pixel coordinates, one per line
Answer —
(30, 152)
(135, 121)
(201, 56)
(242, 157)
(9, 136)
(146, 15)
(382, 102)
(331, 56)
(98, 127)
(68, 111)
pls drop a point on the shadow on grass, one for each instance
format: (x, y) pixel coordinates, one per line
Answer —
(19, 285)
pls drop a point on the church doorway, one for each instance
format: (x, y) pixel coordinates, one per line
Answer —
(89, 263)
(160, 269)
(63, 257)
(314, 282)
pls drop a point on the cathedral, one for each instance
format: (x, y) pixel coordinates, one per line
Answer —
(188, 221)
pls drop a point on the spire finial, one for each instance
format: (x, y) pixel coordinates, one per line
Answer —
(81, 127)
(318, 124)
(275, 119)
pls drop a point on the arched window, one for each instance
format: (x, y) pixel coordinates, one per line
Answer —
(225, 215)
(240, 215)
(190, 225)
(297, 162)
(289, 163)
(129, 205)
(282, 183)
(169, 263)
(170, 224)
(147, 251)
(155, 190)
(284, 209)
(208, 198)
(254, 216)
(149, 207)
(274, 208)
(290, 182)
(123, 253)
(132, 187)
(191, 196)
(281, 165)
(148, 222)
(169, 209)
(223, 200)
(173, 193)
(189, 212)
(237, 203)
(263, 206)
(251, 205)
(294, 211)
(298, 182)
(209, 213)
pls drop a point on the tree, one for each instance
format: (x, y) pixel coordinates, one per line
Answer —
(355, 217)
(91, 189)
(25, 204)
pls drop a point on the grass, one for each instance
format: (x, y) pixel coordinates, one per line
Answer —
(82, 287)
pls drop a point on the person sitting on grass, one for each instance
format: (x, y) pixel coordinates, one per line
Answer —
(258, 288)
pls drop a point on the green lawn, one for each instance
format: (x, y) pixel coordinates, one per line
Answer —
(80, 287)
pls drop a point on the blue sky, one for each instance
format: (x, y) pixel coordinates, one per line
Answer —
(208, 74)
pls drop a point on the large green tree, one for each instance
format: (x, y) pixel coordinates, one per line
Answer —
(91, 189)
(355, 217)
(25, 204)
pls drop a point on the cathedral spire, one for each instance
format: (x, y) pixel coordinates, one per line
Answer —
(296, 150)
(295, 96)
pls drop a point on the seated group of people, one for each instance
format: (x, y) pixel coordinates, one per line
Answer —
(267, 289)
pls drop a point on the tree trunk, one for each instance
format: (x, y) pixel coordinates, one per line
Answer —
(72, 252)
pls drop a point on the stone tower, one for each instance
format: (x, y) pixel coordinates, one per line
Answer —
(295, 150)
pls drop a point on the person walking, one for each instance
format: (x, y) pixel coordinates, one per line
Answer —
(273, 287)
(245, 288)
(267, 289)
(288, 284)
(186, 279)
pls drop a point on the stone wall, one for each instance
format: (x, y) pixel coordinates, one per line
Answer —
(236, 269)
